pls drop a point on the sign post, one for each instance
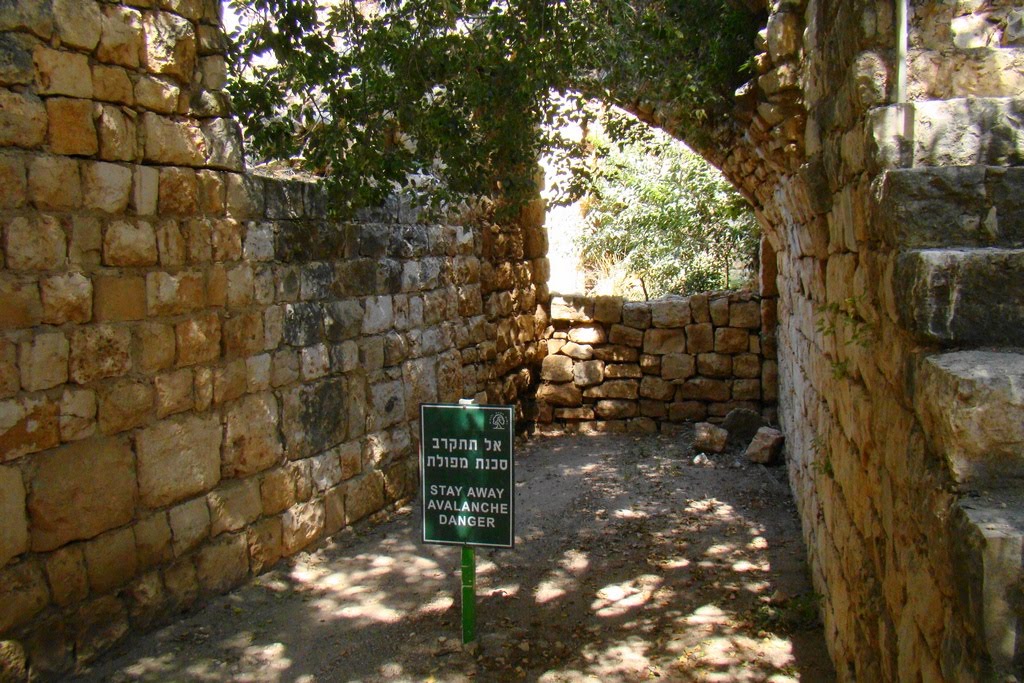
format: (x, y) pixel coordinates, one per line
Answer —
(467, 478)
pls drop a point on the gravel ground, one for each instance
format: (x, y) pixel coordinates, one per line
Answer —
(632, 562)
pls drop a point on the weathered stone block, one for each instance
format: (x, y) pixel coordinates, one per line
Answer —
(677, 366)
(172, 142)
(277, 490)
(35, 245)
(560, 394)
(170, 45)
(223, 563)
(252, 443)
(627, 336)
(111, 560)
(747, 365)
(636, 314)
(608, 309)
(581, 413)
(99, 351)
(766, 446)
(178, 458)
(557, 369)
(62, 73)
(66, 299)
(700, 338)
(702, 389)
(577, 351)
(731, 340)
(243, 335)
(54, 183)
(266, 544)
(181, 582)
(190, 525)
(77, 414)
(23, 593)
(714, 365)
(770, 380)
(112, 84)
(745, 314)
(619, 388)
(65, 569)
(129, 243)
(240, 286)
(153, 541)
(14, 538)
(23, 121)
(302, 524)
(10, 378)
(616, 409)
(43, 361)
(233, 505)
(590, 334)
(173, 393)
(664, 341)
(719, 311)
(616, 354)
(670, 312)
(13, 176)
(622, 371)
(657, 388)
(124, 405)
(106, 187)
(387, 403)
(119, 298)
(72, 129)
(120, 36)
(364, 496)
(157, 94)
(572, 309)
(687, 411)
(198, 339)
(746, 390)
(20, 306)
(302, 324)
(81, 490)
(27, 425)
(588, 373)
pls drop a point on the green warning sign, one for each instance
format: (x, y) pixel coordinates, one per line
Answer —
(467, 474)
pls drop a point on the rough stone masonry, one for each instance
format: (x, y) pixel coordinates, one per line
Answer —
(163, 312)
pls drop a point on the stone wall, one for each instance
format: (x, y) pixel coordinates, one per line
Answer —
(200, 372)
(617, 366)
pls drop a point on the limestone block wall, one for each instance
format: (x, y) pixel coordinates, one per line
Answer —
(200, 371)
(616, 366)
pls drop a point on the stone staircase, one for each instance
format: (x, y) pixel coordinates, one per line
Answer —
(954, 214)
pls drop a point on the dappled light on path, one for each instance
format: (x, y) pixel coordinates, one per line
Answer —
(631, 563)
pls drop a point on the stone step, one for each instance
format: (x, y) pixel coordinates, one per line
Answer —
(958, 206)
(971, 407)
(987, 532)
(962, 297)
(967, 131)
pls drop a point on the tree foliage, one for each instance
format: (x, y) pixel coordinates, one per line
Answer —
(661, 214)
(463, 95)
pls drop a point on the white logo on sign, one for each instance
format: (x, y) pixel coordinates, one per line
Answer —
(498, 421)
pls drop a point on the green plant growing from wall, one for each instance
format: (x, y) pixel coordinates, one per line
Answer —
(461, 97)
(843, 323)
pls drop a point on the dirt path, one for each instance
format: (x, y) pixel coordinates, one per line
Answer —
(631, 563)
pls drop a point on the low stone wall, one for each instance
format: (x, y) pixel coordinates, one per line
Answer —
(635, 366)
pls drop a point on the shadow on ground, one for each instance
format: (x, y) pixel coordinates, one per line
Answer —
(631, 563)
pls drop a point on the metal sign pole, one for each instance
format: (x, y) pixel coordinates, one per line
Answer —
(468, 594)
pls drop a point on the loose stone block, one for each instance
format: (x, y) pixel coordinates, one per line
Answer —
(234, 505)
(43, 361)
(54, 183)
(677, 366)
(23, 121)
(66, 299)
(72, 130)
(731, 340)
(178, 458)
(190, 525)
(106, 187)
(766, 446)
(557, 369)
(173, 393)
(657, 388)
(636, 314)
(628, 336)
(560, 394)
(27, 425)
(702, 389)
(671, 312)
(65, 569)
(81, 490)
(35, 245)
(124, 405)
(302, 524)
(78, 414)
(592, 335)
(23, 593)
(252, 443)
(714, 365)
(619, 388)
(616, 409)
(709, 438)
(700, 338)
(588, 373)
(198, 339)
(62, 73)
(119, 297)
(14, 538)
(129, 243)
(111, 560)
(664, 341)
(99, 351)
